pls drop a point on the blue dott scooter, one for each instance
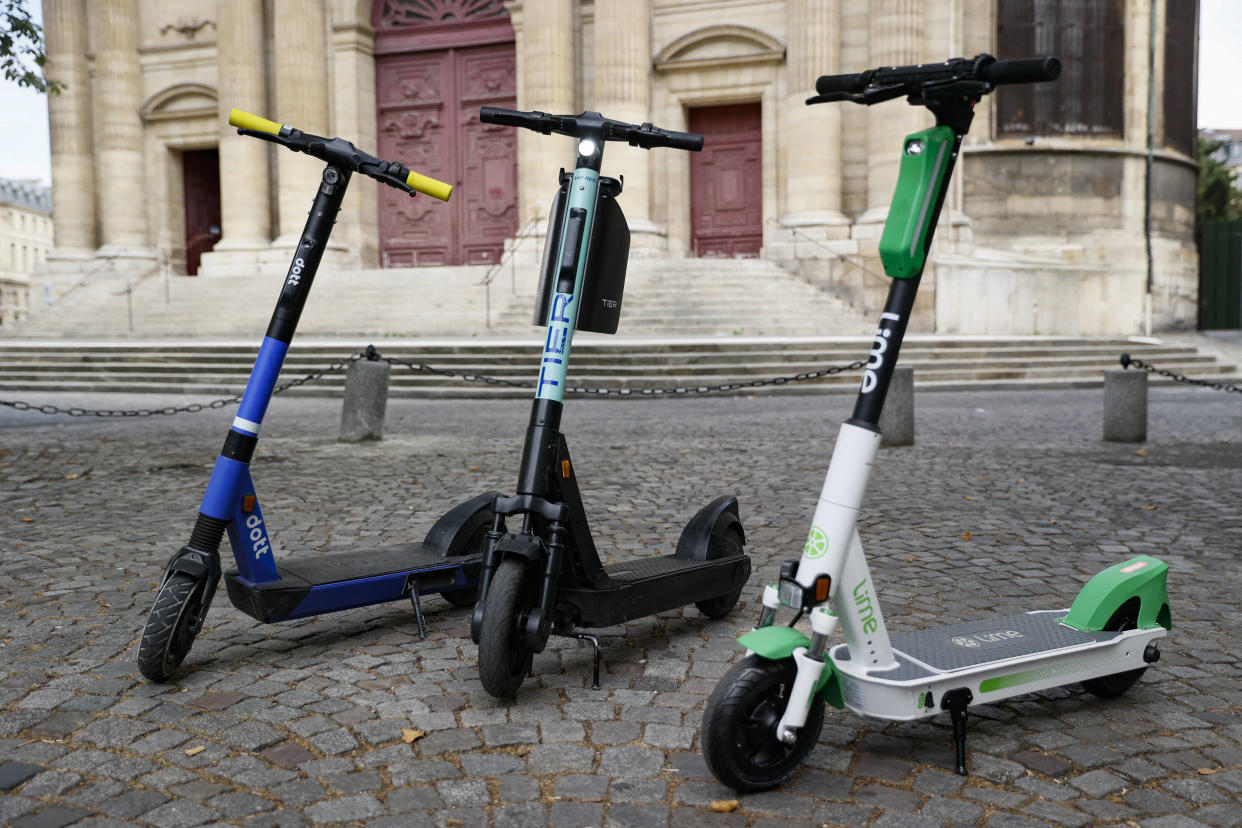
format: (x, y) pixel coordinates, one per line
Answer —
(447, 559)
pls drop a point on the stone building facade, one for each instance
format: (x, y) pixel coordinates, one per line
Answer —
(1046, 230)
(25, 239)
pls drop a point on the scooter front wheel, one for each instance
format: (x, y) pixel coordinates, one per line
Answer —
(503, 661)
(174, 622)
(739, 726)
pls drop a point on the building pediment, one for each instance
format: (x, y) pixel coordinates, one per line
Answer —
(720, 45)
(184, 100)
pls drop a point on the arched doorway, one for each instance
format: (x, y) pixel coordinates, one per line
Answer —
(436, 63)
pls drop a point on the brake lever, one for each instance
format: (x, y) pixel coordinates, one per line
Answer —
(867, 97)
(275, 139)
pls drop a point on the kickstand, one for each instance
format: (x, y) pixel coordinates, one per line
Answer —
(418, 611)
(956, 702)
(594, 643)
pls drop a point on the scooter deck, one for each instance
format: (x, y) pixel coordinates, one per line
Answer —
(645, 586)
(344, 580)
(994, 657)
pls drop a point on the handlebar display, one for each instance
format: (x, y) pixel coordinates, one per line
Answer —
(342, 153)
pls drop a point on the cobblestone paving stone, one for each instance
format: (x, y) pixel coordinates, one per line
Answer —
(1008, 501)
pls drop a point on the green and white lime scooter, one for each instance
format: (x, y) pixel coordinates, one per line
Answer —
(765, 715)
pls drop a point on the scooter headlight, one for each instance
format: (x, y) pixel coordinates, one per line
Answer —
(790, 593)
(794, 595)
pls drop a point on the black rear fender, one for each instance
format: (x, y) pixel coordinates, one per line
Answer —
(702, 538)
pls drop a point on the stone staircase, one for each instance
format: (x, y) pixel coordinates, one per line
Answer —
(220, 368)
(663, 297)
(712, 297)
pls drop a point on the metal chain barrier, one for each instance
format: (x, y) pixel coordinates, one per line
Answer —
(421, 367)
(621, 392)
(192, 408)
(1127, 361)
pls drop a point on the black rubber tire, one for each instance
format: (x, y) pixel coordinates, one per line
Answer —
(503, 662)
(1107, 687)
(739, 726)
(722, 605)
(475, 546)
(174, 622)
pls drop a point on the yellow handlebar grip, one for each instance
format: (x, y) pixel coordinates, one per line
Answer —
(244, 120)
(429, 186)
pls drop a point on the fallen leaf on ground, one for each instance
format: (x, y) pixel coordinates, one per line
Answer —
(965, 536)
(27, 520)
(1209, 771)
(1150, 508)
(1140, 453)
(194, 751)
(724, 806)
(408, 735)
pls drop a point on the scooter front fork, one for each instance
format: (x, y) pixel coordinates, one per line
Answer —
(539, 620)
(811, 664)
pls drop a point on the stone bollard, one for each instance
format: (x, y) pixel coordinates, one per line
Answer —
(897, 418)
(1125, 406)
(366, 397)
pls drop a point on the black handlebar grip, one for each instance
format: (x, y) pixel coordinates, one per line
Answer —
(506, 117)
(684, 140)
(828, 84)
(1031, 70)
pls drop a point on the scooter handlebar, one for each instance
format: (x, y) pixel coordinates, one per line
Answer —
(956, 74)
(341, 152)
(592, 123)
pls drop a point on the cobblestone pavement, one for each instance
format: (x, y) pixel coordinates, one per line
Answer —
(1009, 500)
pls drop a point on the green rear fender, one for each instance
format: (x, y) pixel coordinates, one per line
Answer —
(1141, 577)
(777, 643)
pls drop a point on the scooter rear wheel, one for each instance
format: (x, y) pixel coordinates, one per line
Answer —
(722, 605)
(503, 661)
(739, 726)
(1107, 687)
(174, 622)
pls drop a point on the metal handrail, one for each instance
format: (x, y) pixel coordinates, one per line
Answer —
(828, 249)
(91, 270)
(524, 232)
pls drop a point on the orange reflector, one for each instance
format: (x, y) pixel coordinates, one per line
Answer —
(248, 504)
(822, 583)
(565, 469)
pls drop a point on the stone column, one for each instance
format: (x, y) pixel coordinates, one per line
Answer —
(119, 168)
(546, 82)
(896, 34)
(623, 91)
(811, 136)
(69, 116)
(301, 100)
(353, 116)
(245, 180)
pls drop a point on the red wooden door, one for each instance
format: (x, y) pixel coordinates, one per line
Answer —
(201, 184)
(429, 120)
(726, 182)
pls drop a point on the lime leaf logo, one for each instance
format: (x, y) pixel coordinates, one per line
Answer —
(816, 543)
